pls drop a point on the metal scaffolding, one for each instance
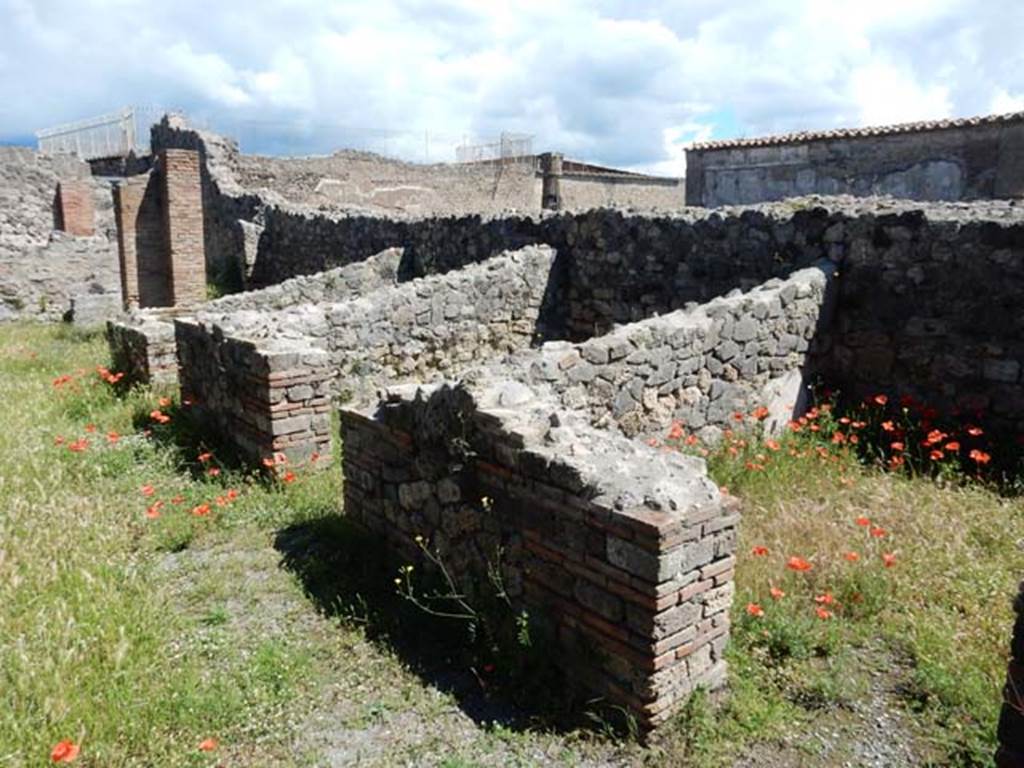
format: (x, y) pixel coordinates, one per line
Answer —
(111, 135)
(510, 145)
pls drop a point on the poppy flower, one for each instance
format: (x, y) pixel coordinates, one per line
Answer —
(314, 457)
(204, 457)
(90, 428)
(975, 431)
(952, 446)
(863, 521)
(897, 446)
(979, 457)
(177, 499)
(213, 472)
(113, 437)
(289, 477)
(825, 599)
(889, 559)
(159, 417)
(201, 510)
(838, 438)
(147, 490)
(164, 402)
(208, 745)
(268, 463)
(58, 440)
(738, 416)
(880, 399)
(888, 426)
(221, 501)
(759, 551)
(896, 461)
(798, 564)
(877, 532)
(936, 455)
(77, 446)
(691, 440)
(823, 613)
(754, 609)
(772, 445)
(64, 751)
(153, 510)
(851, 557)
(760, 413)
(676, 432)
(232, 494)
(776, 593)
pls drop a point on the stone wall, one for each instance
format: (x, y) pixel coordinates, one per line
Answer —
(697, 366)
(423, 328)
(623, 552)
(955, 160)
(263, 398)
(42, 268)
(142, 347)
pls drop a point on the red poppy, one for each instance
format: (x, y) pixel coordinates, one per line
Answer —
(738, 416)
(880, 399)
(772, 445)
(90, 428)
(64, 751)
(58, 440)
(147, 490)
(289, 477)
(952, 446)
(852, 557)
(896, 461)
(823, 613)
(798, 564)
(78, 445)
(889, 559)
(204, 457)
(878, 532)
(759, 551)
(691, 440)
(888, 426)
(755, 610)
(164, 402)
(760, 413)
(314, 457)
(113, 437)
(208, 745)
(825, 599)
(153, 511)
(201, 510)
(675, 433)
(897, 446)
(221, 501)
(213, 472)
(776, 593)
(936, 455)
(159, 417)
(178, 499)
(838, 438)
(975, 431)
(979, 457)
(862, 521)
(232, 493)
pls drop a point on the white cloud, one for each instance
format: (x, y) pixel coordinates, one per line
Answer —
(625, 82)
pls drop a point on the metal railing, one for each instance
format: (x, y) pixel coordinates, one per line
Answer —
(111, 135)
(510, 145)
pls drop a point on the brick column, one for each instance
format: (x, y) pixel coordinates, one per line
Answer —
(75, 207)
(140, 243)
(183, 225)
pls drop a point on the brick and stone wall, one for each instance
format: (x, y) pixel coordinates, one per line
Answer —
(264, 398)
(142, 347)
(74, 207)
(160, 234)
(697, 366)
(42, 268)
(946, 160)
(623, 551)
(419, 329)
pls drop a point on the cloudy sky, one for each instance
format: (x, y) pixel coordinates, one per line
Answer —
(623, 82)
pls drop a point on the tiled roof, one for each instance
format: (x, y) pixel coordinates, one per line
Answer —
(846, 133)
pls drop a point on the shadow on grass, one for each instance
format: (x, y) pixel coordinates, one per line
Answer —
(349, 575)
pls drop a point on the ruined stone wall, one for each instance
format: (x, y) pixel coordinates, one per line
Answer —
(624, 553)
(957, 163)
(42, 269)
(928, 307)
(696, 366)
(143, 348)
(419, 329)
(264, 398)
(583, 191)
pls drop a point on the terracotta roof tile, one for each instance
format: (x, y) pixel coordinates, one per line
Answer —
(846, 133)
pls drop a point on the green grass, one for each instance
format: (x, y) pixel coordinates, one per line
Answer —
(270, 626)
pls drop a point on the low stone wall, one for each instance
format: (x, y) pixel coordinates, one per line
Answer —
(422, 328)
(697, 366)
(623, 551)
(264, 398)
(143, 348)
